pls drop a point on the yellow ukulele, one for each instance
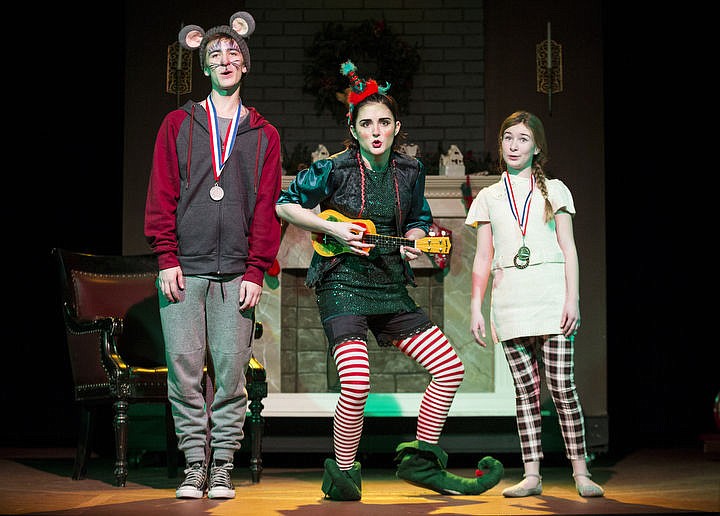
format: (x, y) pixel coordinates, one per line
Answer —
(327, 246)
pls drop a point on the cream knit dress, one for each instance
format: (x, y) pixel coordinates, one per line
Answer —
(525, 301)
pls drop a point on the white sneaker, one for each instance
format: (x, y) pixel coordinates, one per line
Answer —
(220, 485)
(195, 481)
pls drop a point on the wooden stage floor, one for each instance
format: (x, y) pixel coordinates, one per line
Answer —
(677, 481)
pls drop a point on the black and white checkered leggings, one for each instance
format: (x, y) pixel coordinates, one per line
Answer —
(556, 353)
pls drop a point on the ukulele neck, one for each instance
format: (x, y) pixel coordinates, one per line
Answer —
(387, 242)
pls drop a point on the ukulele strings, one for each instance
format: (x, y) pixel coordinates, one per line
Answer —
(387, 241)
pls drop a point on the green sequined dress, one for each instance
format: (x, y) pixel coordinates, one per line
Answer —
(372, 285)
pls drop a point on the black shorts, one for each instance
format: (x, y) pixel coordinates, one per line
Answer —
(386, 327)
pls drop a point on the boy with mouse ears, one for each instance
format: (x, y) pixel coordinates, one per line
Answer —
(210, 219)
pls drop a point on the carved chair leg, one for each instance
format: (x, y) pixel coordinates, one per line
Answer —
(171, 443)
(121, 435)
(256, 392)
(82, 453)
(257, 423)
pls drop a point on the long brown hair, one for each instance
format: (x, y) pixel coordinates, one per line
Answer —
(535, 125)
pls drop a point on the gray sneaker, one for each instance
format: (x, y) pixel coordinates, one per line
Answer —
(195, 481)
(220, 485)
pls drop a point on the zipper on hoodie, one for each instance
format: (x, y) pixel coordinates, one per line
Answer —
(218, 236)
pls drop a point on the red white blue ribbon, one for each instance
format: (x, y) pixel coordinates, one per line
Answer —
(220, 148)
(522, 218)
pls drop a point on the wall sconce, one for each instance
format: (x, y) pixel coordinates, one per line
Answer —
(179, 70)
(548, 63)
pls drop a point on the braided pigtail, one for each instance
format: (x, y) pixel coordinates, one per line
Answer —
(540, 182)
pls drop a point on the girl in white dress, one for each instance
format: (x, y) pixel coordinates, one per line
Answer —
(525, 239)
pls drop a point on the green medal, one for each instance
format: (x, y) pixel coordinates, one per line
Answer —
(522, 258)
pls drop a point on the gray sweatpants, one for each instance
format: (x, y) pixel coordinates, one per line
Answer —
(207, 320)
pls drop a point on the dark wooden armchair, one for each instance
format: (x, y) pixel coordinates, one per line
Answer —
(114, 337)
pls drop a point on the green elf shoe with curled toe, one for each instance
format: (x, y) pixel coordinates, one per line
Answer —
(423, 464)
(341, 485)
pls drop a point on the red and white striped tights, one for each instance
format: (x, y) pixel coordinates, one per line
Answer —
(431, 350)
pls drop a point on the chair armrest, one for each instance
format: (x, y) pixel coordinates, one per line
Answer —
(110, 325)
(107, 328)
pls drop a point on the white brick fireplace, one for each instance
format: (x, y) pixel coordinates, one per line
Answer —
(294, 366)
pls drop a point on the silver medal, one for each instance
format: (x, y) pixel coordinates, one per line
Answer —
(216, 193)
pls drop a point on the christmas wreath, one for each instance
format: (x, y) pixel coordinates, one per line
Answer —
(378, 54)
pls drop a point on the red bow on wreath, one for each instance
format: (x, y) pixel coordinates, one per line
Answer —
(441, 260)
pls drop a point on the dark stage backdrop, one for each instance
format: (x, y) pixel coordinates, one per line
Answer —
(68, 185)
(574, 126)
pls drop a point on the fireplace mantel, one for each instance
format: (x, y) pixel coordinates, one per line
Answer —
(445, 197)
(443, 193)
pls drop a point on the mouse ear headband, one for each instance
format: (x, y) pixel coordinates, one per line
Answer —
(359, 89)
(241, 27)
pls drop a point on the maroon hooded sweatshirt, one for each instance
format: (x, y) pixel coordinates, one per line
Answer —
(239, 234)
